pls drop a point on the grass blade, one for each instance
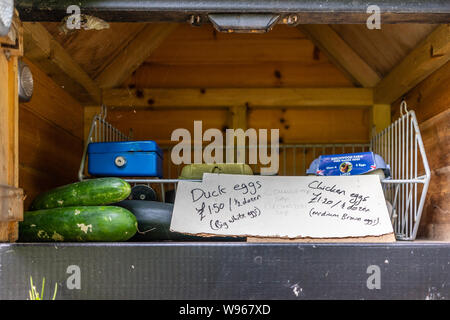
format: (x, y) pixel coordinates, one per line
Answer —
(43, 286)
(56, 289)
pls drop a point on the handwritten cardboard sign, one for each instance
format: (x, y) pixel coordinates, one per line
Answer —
(282, 207)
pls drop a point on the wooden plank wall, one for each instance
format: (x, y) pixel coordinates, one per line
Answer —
(316, 125)
(50, 137)
(431, 102)
(201, 57)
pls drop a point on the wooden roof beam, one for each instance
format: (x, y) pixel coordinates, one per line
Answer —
(341, 54)
(45, 52)
(253, 97)
(132, 56)
(431, 54)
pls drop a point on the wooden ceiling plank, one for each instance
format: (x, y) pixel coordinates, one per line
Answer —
(383, 49)
(258, 75)
(341, 54)
(45, 52)
(132, 56)
(253, 97)
(431, 54)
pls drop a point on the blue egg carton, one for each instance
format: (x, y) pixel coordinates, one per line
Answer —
(348, 164)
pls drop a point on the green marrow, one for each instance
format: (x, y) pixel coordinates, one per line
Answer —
(154, 222)
(94, 192)
(73, 224)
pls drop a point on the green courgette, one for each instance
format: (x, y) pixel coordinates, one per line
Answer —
(94, 192)
(82, 223)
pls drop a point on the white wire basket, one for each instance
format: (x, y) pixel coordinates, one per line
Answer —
(400, 145)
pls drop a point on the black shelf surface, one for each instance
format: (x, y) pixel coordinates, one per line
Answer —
(228, 271)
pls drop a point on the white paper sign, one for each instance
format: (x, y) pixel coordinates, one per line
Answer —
(282, 207)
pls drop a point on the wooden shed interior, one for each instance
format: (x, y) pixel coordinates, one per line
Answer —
(318, 84)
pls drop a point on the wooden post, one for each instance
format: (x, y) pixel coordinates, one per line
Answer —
(381, 117)
(238, 120)
(238, 117)
(11, 197)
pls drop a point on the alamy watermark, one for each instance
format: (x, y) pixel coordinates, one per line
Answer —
(374, 280)
(74, 280)
(374, 20)
(223, 150)
(74, 19)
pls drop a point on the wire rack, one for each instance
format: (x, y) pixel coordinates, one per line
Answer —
(400, 145)
(101, 131)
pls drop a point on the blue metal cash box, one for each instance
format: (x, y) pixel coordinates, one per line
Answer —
(125, 159)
